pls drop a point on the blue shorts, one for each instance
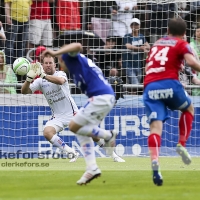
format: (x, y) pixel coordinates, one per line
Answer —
(160, 95)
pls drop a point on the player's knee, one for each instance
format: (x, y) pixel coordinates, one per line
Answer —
(73, 127)
(46, 132)
(49, 132)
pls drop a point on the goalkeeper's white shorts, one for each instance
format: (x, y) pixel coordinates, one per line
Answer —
(95, 110)
(58, 123)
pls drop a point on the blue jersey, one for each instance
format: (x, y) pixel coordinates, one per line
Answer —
(87, 76)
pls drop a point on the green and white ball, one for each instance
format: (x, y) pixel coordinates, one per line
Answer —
(21, 66)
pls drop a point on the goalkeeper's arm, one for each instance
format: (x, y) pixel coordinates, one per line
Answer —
(26, 88)
(55, 79)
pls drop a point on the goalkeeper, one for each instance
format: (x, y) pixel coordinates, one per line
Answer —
(56, 91)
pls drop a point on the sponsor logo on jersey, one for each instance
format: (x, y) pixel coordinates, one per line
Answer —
(51, 101)
(166, 42)
(45, 85)
(53, 91)
(161, 94)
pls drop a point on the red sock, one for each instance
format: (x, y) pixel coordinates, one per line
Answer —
(185, 127)
(154, 141)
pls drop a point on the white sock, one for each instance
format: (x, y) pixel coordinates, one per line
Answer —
(87, 147)
(89, 130)
(101, 142)
(58, 142)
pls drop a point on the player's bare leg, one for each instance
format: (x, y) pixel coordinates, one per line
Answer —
(154, 142)
(185, 127)
(50, 134)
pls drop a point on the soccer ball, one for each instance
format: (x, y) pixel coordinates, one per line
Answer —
(21, 66)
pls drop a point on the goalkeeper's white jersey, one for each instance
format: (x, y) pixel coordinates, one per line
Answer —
(57, 96)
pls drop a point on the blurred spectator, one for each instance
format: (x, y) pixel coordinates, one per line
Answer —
(182, 6)
(158, 19)
(40, 30)
(17, 16)
(2, 36)
(195, 9)
(2, 12)
(132, 60)
(116, 83)
(195, 42)
(192, 17)
(68, 15)
(54, 24)
(121, 18)
(108, 59)
(98, 17)
(6, 75)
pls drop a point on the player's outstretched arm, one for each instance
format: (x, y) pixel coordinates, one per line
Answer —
(192, 62)
(25, 88)
(73, 47)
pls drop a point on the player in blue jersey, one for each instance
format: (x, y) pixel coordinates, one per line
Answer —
(89, 78)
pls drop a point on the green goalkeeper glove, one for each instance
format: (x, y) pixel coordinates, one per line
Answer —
(32, 72)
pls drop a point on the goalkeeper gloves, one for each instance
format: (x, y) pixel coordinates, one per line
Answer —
(32, 73)
(40, 71)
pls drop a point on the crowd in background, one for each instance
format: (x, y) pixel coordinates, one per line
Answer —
(127, 30)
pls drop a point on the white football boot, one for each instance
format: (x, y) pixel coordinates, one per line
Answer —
(116, 158)
(88, 176)
(76, 156)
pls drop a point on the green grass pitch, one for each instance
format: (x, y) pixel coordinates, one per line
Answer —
(130, 180)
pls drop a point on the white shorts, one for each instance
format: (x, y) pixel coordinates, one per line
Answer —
(95, 110)
(58, 123)
(40, 32)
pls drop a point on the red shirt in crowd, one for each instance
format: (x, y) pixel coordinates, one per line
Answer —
(40, 10)
(68, 15)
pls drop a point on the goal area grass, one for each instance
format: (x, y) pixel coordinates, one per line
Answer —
(129, 180)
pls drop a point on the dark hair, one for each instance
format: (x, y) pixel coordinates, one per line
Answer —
(177, 26)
